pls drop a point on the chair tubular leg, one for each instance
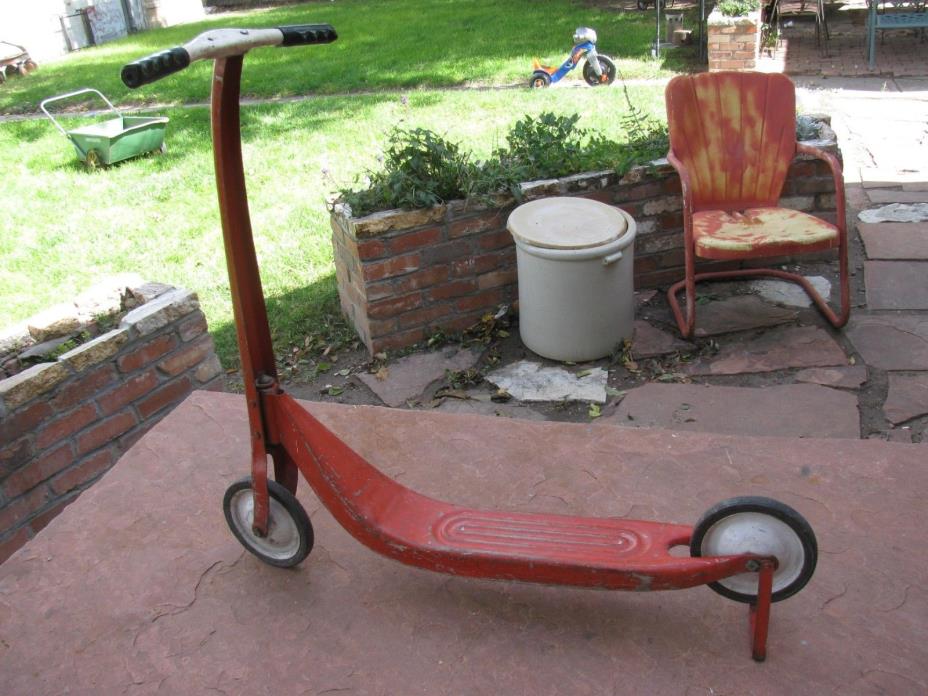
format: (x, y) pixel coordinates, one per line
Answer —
(687, 322)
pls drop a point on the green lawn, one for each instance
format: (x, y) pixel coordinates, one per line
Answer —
(62, 227)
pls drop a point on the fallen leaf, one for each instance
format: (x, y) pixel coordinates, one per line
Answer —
(382, 373)
(595, 411)
(584, 373)
(344, 373)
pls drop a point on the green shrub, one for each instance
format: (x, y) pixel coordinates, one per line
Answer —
(737, 8)
(421, 169)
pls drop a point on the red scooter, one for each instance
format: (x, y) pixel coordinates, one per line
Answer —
(753, 550)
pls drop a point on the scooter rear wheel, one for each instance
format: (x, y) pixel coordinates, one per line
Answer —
(290, 533)
(764, 526)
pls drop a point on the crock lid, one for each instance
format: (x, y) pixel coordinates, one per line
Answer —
(566, 223)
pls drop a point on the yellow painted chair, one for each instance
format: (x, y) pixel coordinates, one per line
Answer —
(732, 140)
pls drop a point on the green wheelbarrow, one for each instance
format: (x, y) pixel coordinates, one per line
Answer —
(115, 139)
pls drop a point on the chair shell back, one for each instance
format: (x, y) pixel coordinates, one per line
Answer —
(735, 133)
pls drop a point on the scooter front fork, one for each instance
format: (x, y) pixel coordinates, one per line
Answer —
(285, 469)
(760, 609)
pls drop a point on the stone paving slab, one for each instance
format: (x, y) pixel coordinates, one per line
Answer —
(777, 349)
(408, 377)
(651, 342)
(889, 196)
(477, 405)
(907, 398)
(895, 240)
(740, 313)
(890, 342)
(138, 587)
(790, 410)
(896, 284)
(850, 377)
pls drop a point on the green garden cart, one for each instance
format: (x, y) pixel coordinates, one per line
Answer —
(115, 139)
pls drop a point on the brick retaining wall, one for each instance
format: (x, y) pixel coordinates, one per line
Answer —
(733, 43)
(403, 275)
(64, 423)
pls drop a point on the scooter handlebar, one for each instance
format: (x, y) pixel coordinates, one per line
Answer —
(306, 34)
(221, 43)
(154, 67)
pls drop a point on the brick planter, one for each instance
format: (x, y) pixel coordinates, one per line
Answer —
(64, 423)
(405, 274)
(733, 42)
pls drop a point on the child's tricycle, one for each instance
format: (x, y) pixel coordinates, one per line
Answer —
(597, 70)
(753, 550)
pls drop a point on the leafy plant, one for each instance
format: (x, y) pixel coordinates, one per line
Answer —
(648, 138)
(421, 168)
(737, 8)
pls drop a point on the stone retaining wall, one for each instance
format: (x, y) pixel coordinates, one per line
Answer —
(403, 275)
(64, 423)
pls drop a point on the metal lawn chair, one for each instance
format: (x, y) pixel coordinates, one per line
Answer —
(732, 140)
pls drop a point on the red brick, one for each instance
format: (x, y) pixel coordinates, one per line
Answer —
(462, 323)
(24, 421)
(393, 306)
(433, 275)
(483, 300)
(388, 268)
(42, 467)
(23, 506)
(83, 388)
(15, 455)
(474, 265)
(637, 192)
(414, 240)
(382, 327)
(495, 279)
(398, 340)
(66, 425)
(448, 251)
(168, 395)
(192, 327)
(371, 249)
(105, 431)
(453, 289)
(495, 240)
(423, 316)
(603, 196)
(127, 392)
(14, 542)
(147, 353)
(82, 472)
(476, 225)
(188, 356)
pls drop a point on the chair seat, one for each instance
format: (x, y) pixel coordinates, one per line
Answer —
(754, 232)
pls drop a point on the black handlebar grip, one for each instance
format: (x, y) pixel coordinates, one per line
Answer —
(154, 67)
(305, 34)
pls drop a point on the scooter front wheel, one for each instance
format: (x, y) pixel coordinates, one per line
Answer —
(763, 526)
(606, 66)
(290, 533)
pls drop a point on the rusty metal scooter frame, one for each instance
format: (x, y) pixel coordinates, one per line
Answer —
(752, 549)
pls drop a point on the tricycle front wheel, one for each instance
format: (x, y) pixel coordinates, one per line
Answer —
(606, 66)
(763, 526)
(290, 533)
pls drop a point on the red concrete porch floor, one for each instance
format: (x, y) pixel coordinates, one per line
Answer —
(139, 588)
